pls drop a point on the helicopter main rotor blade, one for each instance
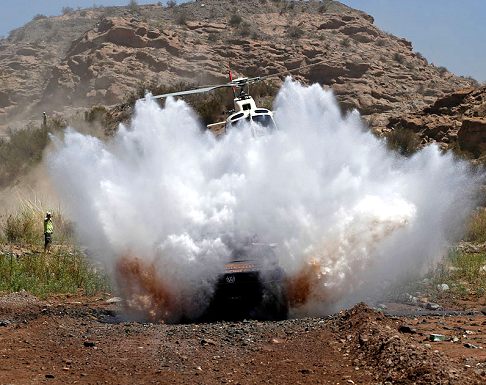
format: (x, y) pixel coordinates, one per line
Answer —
(240, 82)
(191, 92)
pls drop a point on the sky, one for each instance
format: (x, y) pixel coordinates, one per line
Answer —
(448, 33)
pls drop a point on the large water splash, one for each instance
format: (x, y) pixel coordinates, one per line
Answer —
(346, 213)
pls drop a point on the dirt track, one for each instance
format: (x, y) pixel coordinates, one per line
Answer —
(83, 341)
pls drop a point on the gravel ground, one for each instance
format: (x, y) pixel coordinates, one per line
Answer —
(84, 341)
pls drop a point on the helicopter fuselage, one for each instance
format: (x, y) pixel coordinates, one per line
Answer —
(260, 120)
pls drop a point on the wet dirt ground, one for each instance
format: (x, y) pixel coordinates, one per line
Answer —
(84, 341)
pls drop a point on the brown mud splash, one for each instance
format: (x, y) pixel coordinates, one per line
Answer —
(301, 286)
(311, 287)
(147, 295)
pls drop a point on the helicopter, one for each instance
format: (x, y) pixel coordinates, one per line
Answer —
(245, 109)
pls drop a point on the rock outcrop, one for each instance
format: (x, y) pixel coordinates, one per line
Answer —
(101, 55)
(456, 120)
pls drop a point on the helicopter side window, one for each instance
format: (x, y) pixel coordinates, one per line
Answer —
(236, 122)
(237, 116)
(246, 107)
(264, 121)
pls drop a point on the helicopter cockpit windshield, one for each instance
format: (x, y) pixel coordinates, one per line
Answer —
(260, 124)
(264, 120)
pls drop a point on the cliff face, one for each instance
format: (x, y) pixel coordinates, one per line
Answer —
(101, 55)
(456, 120)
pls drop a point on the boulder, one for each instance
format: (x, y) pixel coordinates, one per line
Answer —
(472, 135)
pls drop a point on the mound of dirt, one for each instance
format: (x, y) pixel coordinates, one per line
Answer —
(392, 356)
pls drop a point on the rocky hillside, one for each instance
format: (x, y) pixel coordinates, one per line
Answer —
(455, 121)
(100, 55)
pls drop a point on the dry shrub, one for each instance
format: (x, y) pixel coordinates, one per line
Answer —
(477, 227)
(235, 20)
(404, 141)
(22, 228)
(295, 32)
(23, 148)
(96, 114)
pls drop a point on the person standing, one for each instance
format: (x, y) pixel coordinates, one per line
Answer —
(48, 230)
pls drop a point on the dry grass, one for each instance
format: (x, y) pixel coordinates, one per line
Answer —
(465, 273)
(477, 227)
(24, 266)
(26, 225)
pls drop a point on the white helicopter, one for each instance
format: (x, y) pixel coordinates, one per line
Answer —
(245, 109)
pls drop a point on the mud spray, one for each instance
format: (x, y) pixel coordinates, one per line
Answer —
(156, 203)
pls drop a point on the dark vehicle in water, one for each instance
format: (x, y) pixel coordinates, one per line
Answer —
(251, 286)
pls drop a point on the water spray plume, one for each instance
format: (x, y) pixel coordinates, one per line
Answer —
(347, 215)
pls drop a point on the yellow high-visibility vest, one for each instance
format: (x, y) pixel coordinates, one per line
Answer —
(48, 226)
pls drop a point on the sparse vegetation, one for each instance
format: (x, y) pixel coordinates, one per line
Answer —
(442, 70)
(23, 148)
(213, 37)
(133, 6)
(465, 273)
(346, 42)
(398, 57)
(67, 10)
(477, 227)
(421, 57)
(235, 20)
(244, 29)
(295, 32)
(171, 3)
(473, 81)
(39, 16)
(181, 17)
(66, 270)
(404, 141)
(96, 114)
(24, 266)
(380, 42)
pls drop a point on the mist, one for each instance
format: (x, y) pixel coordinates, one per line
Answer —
(158, 202)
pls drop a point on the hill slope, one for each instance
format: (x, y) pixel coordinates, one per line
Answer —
(99, 56)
